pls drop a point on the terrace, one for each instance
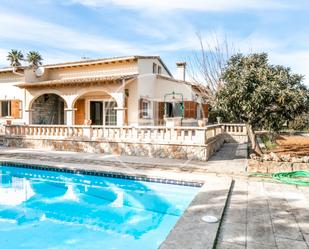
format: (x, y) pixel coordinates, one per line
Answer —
(197, 143)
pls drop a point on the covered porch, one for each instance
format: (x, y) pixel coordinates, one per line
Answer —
(86, 101)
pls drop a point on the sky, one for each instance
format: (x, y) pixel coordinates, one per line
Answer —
(67, 30)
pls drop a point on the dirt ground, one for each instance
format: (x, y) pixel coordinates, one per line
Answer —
(293, 145)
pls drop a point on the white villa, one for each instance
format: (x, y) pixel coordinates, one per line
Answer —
(133, 90)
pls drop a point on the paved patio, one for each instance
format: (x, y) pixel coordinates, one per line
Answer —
(231, 159)
(265, 215)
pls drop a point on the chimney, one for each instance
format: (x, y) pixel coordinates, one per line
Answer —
(181, 70)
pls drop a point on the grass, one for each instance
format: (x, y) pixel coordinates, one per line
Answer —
(269, 144)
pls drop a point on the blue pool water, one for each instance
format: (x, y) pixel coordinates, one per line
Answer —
(44, 209)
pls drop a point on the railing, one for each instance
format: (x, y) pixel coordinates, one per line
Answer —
(148, 134)
(2, 130)
(235, 129)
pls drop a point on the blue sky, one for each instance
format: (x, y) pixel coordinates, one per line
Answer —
(65, 30)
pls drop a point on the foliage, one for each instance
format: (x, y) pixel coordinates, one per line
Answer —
(34, 59)
(300, 123)
(213, 114)
(263, 96)
(268, 141)
(15, 57)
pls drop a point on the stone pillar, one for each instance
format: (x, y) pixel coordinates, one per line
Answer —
(69, 116)
(120, 99)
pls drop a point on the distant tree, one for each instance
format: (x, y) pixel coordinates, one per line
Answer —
(15, 57)
(34, 59)
(261, 95)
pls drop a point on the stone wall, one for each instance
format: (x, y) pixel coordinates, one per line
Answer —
(273, 167)
(231, 138)
(175, 151)
(48, 109)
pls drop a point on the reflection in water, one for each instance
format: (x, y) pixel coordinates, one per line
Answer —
(14, 190)
(137, 210)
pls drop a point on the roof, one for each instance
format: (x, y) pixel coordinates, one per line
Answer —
(77, 81)
(95, 61)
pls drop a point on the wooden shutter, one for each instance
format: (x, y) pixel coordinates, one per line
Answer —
(205, 110)
(161, 110)
(80, 112)
(140, 106)
(126, 118)
(16, 108)
(190, 109)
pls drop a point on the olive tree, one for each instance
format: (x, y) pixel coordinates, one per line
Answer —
(261, 95)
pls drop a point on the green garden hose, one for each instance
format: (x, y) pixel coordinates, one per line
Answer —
(294, 177)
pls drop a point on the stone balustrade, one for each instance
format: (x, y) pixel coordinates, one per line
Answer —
(2, 130)
(235, 129)
(148, 134)
(193, 143)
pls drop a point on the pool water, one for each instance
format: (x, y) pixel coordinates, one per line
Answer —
(44, 209)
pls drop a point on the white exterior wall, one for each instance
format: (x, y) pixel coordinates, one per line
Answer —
(93, 70)
(145, 66)
(163, 87)
(8, 91)
(133, 102)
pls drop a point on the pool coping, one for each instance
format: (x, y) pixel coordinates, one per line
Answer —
(102, 173)
(190, 230)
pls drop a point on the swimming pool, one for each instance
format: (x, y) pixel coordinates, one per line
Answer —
(44, 209)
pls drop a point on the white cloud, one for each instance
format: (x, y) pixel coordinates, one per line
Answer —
(200, 5)
(296, 60)
(3, 55)
(28, 29)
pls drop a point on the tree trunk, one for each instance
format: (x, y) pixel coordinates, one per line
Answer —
(254, 144)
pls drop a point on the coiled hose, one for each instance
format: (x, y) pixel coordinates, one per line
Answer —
(293, 177)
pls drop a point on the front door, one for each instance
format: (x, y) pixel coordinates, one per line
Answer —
(96, 112)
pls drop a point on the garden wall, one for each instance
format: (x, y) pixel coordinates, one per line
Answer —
(175, 151)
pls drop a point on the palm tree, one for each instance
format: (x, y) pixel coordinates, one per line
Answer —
(15, 56)
(34, 59)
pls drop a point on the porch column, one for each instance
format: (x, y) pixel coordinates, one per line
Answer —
(120, 116)
(28, 116)
(69, 116)
(120, 99)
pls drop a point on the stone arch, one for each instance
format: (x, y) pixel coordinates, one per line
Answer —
(48, 108)
(84, 109)
(51, 91)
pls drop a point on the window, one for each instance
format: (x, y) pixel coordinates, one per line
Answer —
(146, 109)
(110, 113)
(5, 108)
(159, 69)
(154, 68)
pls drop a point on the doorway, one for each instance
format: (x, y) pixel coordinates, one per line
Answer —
(96, 112)
(103, 112)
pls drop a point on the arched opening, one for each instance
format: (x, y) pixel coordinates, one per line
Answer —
(95, 108)
(48, 109)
